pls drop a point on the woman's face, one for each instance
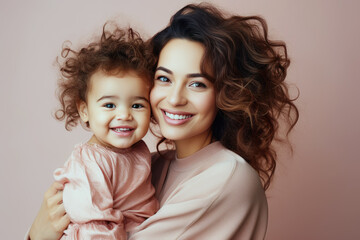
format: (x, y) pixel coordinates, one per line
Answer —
(182, 99)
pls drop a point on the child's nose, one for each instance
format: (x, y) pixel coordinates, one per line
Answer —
(124, 114)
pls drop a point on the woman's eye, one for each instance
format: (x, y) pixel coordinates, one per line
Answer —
(109, 105)
(163, 79)
(198, 85)
(137, 105)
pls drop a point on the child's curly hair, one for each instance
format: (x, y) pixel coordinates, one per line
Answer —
(115, 51)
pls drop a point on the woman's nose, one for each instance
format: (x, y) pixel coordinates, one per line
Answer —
(177, 96)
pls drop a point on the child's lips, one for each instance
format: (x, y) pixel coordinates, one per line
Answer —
(123, 131)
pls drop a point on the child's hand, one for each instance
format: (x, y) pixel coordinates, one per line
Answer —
(51, 219)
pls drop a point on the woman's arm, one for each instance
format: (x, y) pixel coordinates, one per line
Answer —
(51, 219)
(224, 202)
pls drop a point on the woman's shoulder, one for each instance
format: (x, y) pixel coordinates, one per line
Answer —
(218, 158)
(235, 163)
(232, 175)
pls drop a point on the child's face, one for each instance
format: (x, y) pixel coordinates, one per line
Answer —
(117, 108)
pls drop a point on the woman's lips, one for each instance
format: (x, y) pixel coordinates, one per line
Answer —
(176, 118)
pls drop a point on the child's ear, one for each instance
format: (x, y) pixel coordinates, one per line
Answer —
(83, 111)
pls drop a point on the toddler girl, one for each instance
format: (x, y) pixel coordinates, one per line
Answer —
(108, 189)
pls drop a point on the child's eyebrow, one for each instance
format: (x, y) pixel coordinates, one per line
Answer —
(116, 97)
(141, 98)
(104, 97)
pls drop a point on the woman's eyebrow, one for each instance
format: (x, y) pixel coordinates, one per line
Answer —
(190, 75)
(164, 69)
(195, 75)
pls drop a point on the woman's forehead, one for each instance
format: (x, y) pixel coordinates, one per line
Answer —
(182, 55)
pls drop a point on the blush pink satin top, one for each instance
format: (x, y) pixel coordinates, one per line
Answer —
(107, 192)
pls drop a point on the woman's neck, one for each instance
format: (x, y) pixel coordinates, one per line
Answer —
(187, 147)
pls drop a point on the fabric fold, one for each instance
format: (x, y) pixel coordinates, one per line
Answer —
(107, 193)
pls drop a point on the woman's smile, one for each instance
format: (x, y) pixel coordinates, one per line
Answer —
(176, 118)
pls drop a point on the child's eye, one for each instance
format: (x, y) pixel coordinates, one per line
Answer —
(198, 85)
(109, 105)
(137, 105)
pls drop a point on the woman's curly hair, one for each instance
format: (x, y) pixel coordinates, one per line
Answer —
(116, 51)
(248, 72)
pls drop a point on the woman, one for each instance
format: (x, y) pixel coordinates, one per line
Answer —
(218, 95)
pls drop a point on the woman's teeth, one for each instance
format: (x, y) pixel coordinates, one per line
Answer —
(176, 116)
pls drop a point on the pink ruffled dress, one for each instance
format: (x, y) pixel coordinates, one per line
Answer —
(107, 192)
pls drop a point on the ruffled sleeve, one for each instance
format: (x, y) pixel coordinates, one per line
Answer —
(88, 196)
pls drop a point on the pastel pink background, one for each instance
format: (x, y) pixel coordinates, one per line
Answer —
(316, 191)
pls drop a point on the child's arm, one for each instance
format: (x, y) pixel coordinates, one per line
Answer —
(51, 219)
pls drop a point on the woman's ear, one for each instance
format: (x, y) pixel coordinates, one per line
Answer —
(83, 111)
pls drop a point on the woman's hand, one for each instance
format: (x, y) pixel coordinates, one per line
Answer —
(51, 219)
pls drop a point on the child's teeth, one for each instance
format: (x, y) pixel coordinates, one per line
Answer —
(122, 129)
